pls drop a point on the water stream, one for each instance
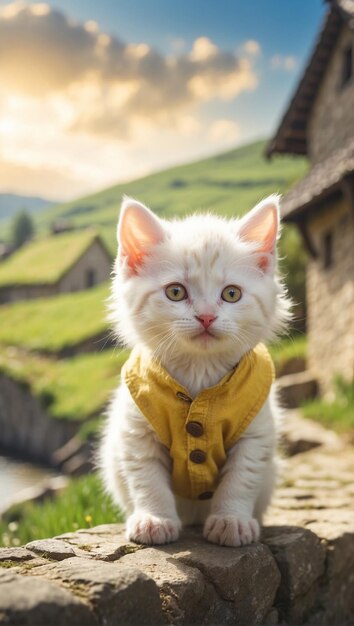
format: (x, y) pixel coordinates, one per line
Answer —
(17, 475)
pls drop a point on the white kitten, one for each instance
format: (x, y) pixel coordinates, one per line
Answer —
(198, 333)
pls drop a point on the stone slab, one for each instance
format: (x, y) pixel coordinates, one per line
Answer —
(15, 554)
(51, 548)
(26, 601)
(187, 595)
(248, 577)
(90, 544)
(300, 556)
(119, 594)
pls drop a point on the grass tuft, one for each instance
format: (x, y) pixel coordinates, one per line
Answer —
(287, 349)
(82, 504)
(337, 412)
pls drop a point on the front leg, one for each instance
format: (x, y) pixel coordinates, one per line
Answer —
(154, 519)
(232, 520)
(136, 469)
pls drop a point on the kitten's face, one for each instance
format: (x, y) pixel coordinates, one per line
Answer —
(201, 285)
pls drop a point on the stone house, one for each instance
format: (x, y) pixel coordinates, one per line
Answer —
(53, 265)
(319, 123)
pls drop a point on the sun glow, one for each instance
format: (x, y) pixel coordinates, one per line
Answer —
(8, 127)
(98, 109)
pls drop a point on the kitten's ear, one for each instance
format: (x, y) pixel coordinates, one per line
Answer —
(261, 226)
(138, 231)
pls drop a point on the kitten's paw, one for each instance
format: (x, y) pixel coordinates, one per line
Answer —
(150, 529)
(231, 530)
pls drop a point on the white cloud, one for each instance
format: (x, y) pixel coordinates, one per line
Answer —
(224, 130)
(288, 63)
(44, 53)
(177, 44)
(81, 108)
(251, 47)
(203, 49)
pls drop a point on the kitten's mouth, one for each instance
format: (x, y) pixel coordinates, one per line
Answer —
(204, 335)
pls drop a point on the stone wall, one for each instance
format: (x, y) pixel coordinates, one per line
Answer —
(96, 259)
(330, 297)
(26, 429)
(332, 120)
(301, 572)
(26, 292)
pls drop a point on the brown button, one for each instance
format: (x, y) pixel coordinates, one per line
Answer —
(195, 429)
(183, 396)
(206, 495)
(197, 456)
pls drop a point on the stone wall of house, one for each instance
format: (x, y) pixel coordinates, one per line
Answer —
(96, 260)
(330, 296)
(26, 292)
(26, 429)
(332, 120)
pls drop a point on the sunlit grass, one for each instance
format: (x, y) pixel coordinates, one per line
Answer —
(287, 349)
(337, 412)
(82, 504)
(55, 323)
(75, 388)
(228, 184)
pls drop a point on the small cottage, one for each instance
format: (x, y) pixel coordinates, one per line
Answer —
(319, 123)
(53, 265)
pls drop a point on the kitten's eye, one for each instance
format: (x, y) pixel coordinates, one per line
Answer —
(176, 292)
(231, 293)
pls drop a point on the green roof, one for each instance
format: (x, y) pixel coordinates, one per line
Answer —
(44, 261)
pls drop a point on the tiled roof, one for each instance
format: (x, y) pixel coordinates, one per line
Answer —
(291, 135)
(321, 179)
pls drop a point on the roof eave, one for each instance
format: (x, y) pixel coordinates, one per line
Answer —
(301, 212)
(291, 135)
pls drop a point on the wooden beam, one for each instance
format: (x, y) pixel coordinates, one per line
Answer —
(294, 133)
(308, 91)
(308, 242)
(305, 100)
(296, 117)
(292, 146)
(347, 187)
(301, 111)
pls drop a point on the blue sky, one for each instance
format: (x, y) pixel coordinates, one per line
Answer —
(209, 118)
(285, 26)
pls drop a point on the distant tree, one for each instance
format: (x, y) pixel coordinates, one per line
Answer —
(22, 229)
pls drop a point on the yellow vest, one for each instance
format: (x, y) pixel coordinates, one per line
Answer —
(199, 432)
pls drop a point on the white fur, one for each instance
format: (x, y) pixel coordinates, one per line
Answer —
(204, 253)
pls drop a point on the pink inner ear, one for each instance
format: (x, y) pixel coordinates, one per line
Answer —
(261, 226)
(138, 231)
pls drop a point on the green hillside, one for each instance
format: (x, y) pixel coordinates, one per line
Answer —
(73, 389)
(69, 319)
(228, 184)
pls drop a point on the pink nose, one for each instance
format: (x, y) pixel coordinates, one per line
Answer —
(205, 320)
